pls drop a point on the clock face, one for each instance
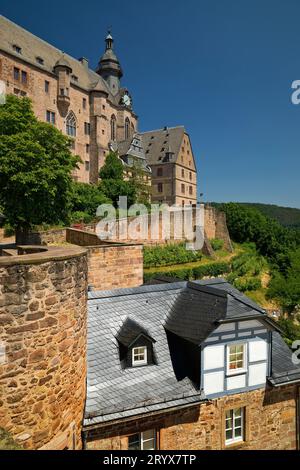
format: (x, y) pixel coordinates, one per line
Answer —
(126, 100)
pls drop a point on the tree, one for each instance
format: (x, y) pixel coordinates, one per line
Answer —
(112, 182)
(35, 169)
(86, 198)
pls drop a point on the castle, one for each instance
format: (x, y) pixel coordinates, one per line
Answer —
(96, 112)
(90, 358)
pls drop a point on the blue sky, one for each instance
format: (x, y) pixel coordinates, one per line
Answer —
(221, 68)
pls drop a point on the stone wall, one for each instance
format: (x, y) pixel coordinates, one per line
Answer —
(43, 307)
(270, 423)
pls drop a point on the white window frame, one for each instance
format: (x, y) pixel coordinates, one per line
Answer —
(142, 440)
(235, 438)
(141, 362)
(240, 370)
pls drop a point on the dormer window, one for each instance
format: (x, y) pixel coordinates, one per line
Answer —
(139, 356)
(40, 60)
(17, 49)
(236, 359)
(74, 78)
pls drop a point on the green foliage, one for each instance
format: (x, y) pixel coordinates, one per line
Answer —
(86, 198)
(248, 284)
(81, 217)
(168, 255)
(143, 190)
(291, 331)
(286, 216)
(246, 269)
(35, 168)
(206, 270)
(217, 244)
(7, 442)
(112, 182)
(285, 286)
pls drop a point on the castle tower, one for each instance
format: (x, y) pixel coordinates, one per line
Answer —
(43, 309)
(109, 67)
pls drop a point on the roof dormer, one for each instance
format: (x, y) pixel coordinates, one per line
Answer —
(135, 345)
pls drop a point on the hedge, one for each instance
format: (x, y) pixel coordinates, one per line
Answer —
(211, 270)
(169, 255)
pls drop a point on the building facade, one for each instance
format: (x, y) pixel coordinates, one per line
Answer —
(174, 174)
(187, 366)
(89, 106)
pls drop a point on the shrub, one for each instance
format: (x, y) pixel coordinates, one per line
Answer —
(79, 217)
(249, 284)
(217, 244)
(169, 254)
(209, 270)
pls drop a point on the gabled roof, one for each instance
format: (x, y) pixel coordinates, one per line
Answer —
(167, 138)
(130, 331)
(33, 47)
(188, 310)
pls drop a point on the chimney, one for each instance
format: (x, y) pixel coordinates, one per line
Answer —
(84, 62)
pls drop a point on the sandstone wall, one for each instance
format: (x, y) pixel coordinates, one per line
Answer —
(270, 424)
(43, 337)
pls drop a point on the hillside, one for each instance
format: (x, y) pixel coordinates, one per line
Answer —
(287, 216)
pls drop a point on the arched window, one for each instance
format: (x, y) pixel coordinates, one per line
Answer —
(113, 127)
(71, 124)
(127, 128)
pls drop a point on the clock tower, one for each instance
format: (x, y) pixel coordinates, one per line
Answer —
(109, 67)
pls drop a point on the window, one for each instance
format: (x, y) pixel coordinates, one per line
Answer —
(236, 358)
(87, 166)
(183, 188)
(159, 171)
(160, 187)
(84, 103)
(24, 77)
(40, 60)
(127, 128)
(191, 190)
(16, 73)
(71, 125)
(74, 78)
(191, 176)
(234, 426)
(139, 356)
(87, 148)
(163, 149)
(113, 127)
(87, 128)
(17, 49)
(50, 117)
(19, 92)
(47, 86)
(143, 441)
(182, 173)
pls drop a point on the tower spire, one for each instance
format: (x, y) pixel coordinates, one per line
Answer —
(109, 67)
(109, 40)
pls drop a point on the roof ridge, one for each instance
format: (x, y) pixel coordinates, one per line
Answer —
(128, 291)
(163, 129)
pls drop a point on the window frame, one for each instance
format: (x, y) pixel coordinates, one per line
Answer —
(240, 370)
(242, 427)
(141, 440)
(52, 117)
(143, 362)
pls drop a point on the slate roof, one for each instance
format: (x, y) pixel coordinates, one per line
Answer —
(191, 310)
(33, 47)
(169, 138)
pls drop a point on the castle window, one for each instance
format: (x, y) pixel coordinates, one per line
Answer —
(16, 73)
(142, 441)
(160, 187)
(234, 426)
(191, 190)
(87, 148)
(236, 358)
(71, 125)
(84, 103)
(113, 127)
(24, 77)
(159, 171)
(17, 49)
(87, 166)
(127, 128)
(183, 188)
(47, 85)
(40, 60)
(191, 176)
(139, 356)
(182, 173)
(87, 128)
(74, 78)
(50, 117)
